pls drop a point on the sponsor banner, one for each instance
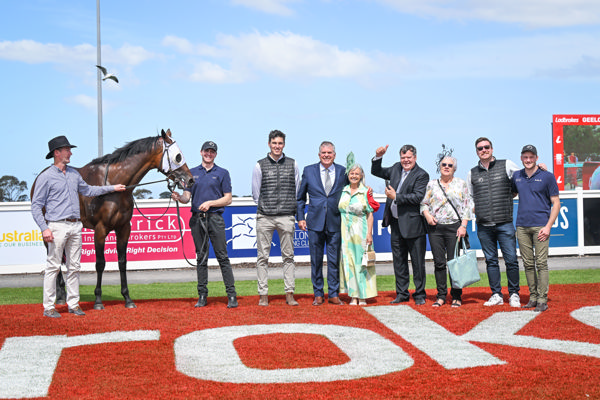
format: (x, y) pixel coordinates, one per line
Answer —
(21, 240)
(381, 351)
(576, 151)
(155, 236)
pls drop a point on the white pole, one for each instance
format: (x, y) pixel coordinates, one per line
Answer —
(99, 62)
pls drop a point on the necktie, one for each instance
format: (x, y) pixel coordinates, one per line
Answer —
(328, 183)
(394, 207)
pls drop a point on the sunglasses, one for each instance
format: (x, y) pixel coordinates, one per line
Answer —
(447, 165)
(487, 147)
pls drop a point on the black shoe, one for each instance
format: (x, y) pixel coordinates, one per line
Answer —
(201, 301)
(541, 307)
(420, 301)
(399, 299)
(232, 302)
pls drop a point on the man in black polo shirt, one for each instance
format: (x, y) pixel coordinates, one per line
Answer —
(210, 194)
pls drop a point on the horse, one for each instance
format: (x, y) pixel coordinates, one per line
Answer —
(113, 211)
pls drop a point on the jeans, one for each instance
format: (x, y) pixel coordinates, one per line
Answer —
(535, 262)
(504, 235)
(212, 227)
(442, 239)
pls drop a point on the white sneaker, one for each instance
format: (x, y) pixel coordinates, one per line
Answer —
(515, 300)
(495, 300)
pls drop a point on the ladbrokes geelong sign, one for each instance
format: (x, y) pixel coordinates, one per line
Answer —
(377, 342)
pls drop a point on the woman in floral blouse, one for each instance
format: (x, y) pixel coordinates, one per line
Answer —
(447, 207)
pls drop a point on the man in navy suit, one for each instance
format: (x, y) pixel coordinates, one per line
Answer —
(405, 190)
(323, 182)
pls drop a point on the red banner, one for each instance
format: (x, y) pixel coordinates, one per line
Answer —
(154, 236)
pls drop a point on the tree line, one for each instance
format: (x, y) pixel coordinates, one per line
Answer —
(12, 189)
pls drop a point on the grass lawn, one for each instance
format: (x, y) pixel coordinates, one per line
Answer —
(385, 283)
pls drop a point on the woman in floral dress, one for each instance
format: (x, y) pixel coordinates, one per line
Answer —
(357, 234)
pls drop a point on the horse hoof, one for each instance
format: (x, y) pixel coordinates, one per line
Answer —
(130, 305)
(98, 306)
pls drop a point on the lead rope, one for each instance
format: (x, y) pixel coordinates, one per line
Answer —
(181, 231)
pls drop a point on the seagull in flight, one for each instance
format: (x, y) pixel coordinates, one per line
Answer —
(107, 75)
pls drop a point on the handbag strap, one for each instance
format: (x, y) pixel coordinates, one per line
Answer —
(454, 208)
(456, 247)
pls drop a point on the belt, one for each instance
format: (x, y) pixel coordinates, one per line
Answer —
(68, 220)
(203, 214)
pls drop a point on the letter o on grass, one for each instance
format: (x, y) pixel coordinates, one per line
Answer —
(210, 355)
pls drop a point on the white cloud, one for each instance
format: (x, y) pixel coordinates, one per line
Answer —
(284, 54)
(33, 52)
(278, 7)
(530, 13)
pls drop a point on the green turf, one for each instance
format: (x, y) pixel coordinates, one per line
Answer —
(248, 288)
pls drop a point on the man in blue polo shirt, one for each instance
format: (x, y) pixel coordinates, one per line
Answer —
(539, 206)
(210, 194)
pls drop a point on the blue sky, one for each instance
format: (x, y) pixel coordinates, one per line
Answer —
(361, 73)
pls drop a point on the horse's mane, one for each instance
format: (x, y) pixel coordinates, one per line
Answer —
(136, 147)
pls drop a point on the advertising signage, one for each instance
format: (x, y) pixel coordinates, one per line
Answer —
(576, 150)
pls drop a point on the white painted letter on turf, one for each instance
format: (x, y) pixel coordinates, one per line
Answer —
(210, 355)
(27, 363)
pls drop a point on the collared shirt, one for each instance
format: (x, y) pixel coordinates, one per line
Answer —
(208, 185)
(257, 178)
(394, 206)
(58, 193)
(330, 171)
(535, 194)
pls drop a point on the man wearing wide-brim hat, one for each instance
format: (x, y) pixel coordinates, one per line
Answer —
(56, 189)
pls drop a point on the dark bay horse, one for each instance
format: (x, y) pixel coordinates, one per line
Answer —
(113, 211)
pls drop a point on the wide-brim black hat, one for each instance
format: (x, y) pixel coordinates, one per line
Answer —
(57, 143)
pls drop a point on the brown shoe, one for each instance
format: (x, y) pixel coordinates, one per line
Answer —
(263, 301)
(318, 301)
(530, 304)
(336, 301)
(289, 299)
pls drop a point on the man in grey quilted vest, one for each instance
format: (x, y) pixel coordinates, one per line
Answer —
(275, 183)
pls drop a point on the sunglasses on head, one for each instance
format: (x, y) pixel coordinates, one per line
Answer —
(487, 147)
(447, 165)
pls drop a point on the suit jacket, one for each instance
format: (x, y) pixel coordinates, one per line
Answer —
(321, 208)
(408, 199)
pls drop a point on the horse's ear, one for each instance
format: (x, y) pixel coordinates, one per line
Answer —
(165, 134)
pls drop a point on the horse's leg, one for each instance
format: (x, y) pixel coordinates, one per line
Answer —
(122, 240)
(99, 242)
(61, 292)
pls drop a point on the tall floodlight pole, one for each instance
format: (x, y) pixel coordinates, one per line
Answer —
(99, 62)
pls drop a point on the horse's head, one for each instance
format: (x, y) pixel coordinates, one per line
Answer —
(173, 163)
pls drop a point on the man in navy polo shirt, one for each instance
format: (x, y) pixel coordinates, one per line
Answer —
(539, 206)
(210, 194)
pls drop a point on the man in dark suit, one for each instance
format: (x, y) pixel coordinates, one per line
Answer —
(405, 190)
(323, 182)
